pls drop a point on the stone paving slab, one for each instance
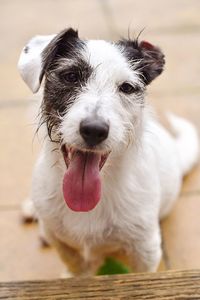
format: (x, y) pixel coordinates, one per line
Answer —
(17, 155)
(187, 106)
(175, 27)
(191, 182)
(21, 255)
(180, 16)
(181, 232)
(182, 68)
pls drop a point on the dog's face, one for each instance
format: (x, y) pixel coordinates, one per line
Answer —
(93, 95)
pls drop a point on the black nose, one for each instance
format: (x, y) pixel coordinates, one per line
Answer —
(94, 131)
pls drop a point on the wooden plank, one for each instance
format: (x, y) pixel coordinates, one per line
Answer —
(172, 285)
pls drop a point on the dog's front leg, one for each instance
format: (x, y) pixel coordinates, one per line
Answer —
(76, 261)
(145, 252)
(71, 257)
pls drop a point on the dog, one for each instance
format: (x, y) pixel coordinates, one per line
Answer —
(108, 171)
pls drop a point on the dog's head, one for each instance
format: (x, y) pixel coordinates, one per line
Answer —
(93, 94)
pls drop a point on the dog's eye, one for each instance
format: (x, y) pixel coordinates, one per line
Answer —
(70, 77)
(128, 88)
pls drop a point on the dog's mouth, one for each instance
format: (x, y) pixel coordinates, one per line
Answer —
(82, 182)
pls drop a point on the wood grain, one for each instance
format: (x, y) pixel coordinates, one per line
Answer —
(172, 285)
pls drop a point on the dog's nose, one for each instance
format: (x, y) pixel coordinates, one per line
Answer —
(94, 131)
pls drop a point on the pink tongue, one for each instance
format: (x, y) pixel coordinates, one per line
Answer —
(81, 183)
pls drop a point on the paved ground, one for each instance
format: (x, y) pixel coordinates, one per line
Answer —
(175, 26)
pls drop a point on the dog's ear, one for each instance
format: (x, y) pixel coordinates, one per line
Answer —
(149, 58)
(153, 61)
(30, 63)
(38, 54)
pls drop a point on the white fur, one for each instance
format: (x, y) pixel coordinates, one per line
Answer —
(140, 180)
(187, 142)
(30, 64)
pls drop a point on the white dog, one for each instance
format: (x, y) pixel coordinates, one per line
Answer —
(108, 171)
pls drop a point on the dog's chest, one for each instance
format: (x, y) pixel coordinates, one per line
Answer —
(95, 226)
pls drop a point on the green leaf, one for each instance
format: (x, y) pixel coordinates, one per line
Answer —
(112, 266)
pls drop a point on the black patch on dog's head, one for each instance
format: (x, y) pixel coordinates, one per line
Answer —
(144, 57)
(63, 81)
(63, 44)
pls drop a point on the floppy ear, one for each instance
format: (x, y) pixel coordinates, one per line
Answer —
(40, 52)
(30, 63)
(144, 57)
(153, 61)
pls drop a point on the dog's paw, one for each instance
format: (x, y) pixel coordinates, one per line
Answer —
(28, 212)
